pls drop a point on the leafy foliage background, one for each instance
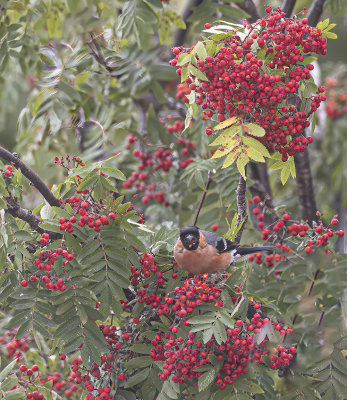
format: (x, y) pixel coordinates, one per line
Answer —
(77, 76)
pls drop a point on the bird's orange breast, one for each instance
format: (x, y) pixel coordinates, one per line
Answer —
(204, 260)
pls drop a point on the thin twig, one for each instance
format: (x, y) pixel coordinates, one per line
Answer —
(209, 180)
(31, 176)
(241, 208)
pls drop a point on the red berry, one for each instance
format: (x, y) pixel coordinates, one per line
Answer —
(308, 250)
(256, 199)
(340, 233)
(286, 216)
(334, 221)
(214, 227)
(207, 26)
(24, 283)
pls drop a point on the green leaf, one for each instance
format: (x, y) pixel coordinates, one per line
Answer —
(137, 378)
(206, 379)
(254, 155)
(141, 348)
(7, 370)
(219, 332)
(197, 73)
(139, 362)
(200, 50)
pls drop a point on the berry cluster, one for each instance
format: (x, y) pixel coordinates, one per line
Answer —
(182, 91)
(256, 72)
(148, 288)
(8, 171)
(46, 261)
(336, 105)
(14, 347)
(192, 294)
(159, 160)
(284, 228)
(184, 355)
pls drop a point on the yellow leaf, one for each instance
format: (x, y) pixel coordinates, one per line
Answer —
(226, 123)
(225, 148)
(254, 130)
(226, 135)
(251, 142)
(254, 154)
(285, 174)
(230, 159)
(241, 163)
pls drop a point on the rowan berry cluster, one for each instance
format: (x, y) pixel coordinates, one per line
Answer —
(148, 280)
(183, 356)
(14, 347)
(182, 91)
(159, 160)
(336, 105)
(8, 171)
(284, 228)
(256, 72)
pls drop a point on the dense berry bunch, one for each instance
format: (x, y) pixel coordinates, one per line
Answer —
(192, 294)
(257, 72)
(182, 91)
(148, 280)
(184, 355)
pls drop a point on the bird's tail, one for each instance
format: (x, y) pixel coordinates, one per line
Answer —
(243, 251)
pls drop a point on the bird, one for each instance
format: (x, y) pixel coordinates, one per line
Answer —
(201, 252)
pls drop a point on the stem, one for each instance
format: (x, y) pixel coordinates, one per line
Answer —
(31, 176)
(209, 180)
(241, 208)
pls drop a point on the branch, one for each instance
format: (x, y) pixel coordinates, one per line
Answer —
(180, 34)
(14, 208)
(315, 12)
(31, 176)
(304, 186)
(241, 208)
(288, 6)
(209, 180)
(250, 8)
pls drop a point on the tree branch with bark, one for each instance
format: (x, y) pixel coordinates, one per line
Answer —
(31, 175)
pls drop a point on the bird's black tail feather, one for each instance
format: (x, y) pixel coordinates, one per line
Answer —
(243, 251)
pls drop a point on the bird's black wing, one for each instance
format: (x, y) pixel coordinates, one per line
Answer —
(221, 244)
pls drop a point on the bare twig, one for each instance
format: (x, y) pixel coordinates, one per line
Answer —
(31, 176)
(241, 207)
(209, 180)
(288, 7)
(250, 8)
